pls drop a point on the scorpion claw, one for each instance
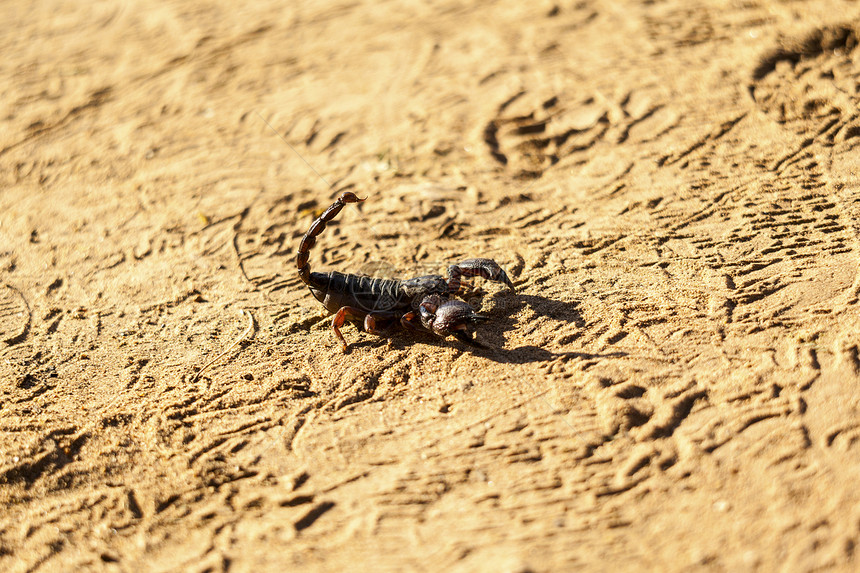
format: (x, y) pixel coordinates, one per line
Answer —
(463, 336)
(486, 268)
(447, 317)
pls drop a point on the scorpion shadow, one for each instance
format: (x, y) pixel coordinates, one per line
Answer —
(490, 335)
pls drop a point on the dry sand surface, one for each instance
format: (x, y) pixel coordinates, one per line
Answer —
(674, 384)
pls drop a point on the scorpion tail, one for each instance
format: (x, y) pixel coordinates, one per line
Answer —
(317, 227)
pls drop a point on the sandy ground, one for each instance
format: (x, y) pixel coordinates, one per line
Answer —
(675, 192)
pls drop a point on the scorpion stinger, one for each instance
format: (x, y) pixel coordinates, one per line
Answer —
(421, 303)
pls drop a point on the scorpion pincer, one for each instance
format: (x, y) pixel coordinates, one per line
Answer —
(423, 303)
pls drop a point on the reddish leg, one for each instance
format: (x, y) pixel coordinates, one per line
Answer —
(410, 321)
(373, 322)
(345, 313)
(378, 323)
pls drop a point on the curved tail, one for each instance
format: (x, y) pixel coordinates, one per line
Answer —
(317, 227)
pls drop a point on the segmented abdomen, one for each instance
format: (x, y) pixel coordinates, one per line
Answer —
(368, 294)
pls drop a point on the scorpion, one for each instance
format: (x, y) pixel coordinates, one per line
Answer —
(422, 304)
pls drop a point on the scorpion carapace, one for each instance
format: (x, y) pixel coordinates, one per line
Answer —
(422, 303)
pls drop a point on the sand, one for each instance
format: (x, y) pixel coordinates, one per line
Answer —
(674, 191)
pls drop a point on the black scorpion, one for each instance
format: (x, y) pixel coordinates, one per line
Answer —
(421, 303)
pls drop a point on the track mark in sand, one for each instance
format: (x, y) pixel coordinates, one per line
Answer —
(638, 464)
(15, 315)
(720, 131)
(40, 128)
(809, 84)
(777, 243)
(647, 415)
(761, 239)
(673, 408)
(780, 246)
(530, 141)
(684, 26)
(313, 515)
(52, 458)
(365, 383)
(620, 407)
(530, 133)
(844, 436)
(715, 430)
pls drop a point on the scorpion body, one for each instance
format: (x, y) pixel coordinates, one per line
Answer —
(421, 303)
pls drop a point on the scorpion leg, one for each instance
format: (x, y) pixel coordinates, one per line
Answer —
(372, 322)
(345, 313)
(463, 336)
(410, 321)
(486, 268)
